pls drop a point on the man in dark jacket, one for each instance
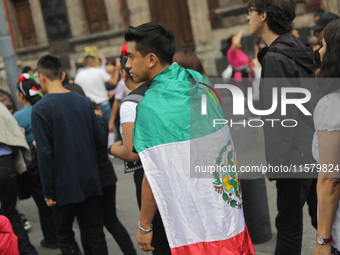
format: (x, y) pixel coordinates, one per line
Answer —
(284, 62)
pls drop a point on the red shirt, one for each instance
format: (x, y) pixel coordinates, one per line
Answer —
(8, 240)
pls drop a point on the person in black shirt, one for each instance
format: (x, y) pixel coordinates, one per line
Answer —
(285, 58)
(66, 132)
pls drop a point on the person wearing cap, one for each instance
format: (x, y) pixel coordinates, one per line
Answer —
(317, 15)
(323, 21)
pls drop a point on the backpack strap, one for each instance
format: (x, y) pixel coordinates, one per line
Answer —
(133, 98)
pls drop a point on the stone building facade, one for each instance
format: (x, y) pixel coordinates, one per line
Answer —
(72, 28)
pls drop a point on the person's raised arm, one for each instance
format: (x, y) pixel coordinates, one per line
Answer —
(236, 41)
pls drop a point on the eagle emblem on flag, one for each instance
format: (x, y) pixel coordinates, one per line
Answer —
(226, 181)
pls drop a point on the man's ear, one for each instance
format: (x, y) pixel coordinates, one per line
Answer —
(63, 75)
(42, 78)
(21, 96)
(153, 60)
(263, 15)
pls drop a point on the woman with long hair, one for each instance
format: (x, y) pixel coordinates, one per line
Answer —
(326, 144)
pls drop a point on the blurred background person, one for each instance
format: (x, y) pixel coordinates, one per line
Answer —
(92, 80)
(119, 94)
(29, 93)
(8, 240)
(324, 19)
(13, 150)
(296, 33)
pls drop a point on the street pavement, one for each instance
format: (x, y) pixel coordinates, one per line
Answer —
(250, 151)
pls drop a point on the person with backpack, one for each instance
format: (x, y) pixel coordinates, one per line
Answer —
(124, 150)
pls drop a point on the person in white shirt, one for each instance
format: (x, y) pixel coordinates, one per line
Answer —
(92, 80)
(326, 143)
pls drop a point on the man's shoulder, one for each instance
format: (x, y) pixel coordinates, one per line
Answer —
(87, 71)
(274, 59)
(41, 103)
(22, 113)
(59, 99)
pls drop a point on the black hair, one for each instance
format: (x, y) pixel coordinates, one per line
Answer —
(74, 87)
(123, 61)
(26, 69)
(318, 12)
(7, 100)
(153, 37)
(88, 58)
(280, 14)
(66, 79)
(330, 67)
(110, 61)
(50, 66)
(25, 87)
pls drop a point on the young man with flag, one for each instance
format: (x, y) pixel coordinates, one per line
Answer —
(200, 215)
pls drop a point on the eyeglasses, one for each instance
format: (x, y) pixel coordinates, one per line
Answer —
(251, 10)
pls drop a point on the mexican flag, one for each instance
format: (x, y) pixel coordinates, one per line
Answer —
(191, 165)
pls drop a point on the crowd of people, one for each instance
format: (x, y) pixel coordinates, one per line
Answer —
(62, 157)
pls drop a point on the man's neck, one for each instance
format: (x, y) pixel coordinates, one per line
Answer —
(26, 103)
(55, 87)
(132, 85)
(158, 70)
(269, 37)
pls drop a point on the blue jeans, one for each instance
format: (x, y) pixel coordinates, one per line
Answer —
(337, 252)
(106, 110)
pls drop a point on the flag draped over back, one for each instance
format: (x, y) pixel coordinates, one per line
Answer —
(201, 210)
